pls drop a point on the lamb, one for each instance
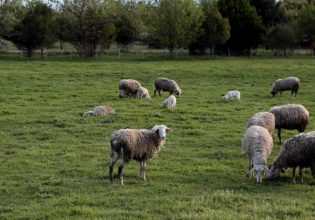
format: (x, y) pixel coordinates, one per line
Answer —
(138, 144)
(170, 102)
(263, 119)
(232, 94)
(142, 93)
(298, 151)
(290, 117)
(290, 83)
(257, 145)
(100, 110)
(165, 84)
(128, 87)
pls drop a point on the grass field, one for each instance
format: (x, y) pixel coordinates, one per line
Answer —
(53, 161)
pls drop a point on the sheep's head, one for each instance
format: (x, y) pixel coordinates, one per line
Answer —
(178, 92)
(259, 170)
(89, 113)
(273, 93)
(274, 172)
(161, 130)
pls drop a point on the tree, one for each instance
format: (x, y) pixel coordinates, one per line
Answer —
(35, 29)
(282, 37)
(215, 28)
(87, 24)
(268, 10)
(128, 24)
(175, 23)
(246, 26)
(306, 25)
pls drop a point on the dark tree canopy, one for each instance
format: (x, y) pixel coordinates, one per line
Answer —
(246, 25)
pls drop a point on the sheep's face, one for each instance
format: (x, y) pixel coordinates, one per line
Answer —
(259, 170)
(273, 172)
(161, 130)
(178, 92)
(122, 94)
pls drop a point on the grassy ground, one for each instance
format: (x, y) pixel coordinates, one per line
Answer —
(53, 161)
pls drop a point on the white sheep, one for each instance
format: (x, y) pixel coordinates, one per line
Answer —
(170, 102)
(232, 94)
(290, 117)
(100, 110)
(257, 145)
(142, 93)
(137, 144)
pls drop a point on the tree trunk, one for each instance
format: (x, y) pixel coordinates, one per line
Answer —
(29, 52)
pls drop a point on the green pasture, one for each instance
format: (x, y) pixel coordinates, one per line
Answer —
(54, 162)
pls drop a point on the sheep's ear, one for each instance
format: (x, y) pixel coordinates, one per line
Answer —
(168, 130)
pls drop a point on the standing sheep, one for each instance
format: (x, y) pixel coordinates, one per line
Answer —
(257, 145)
(298, 151)
(263, 119)
(232, 94)
(128, 87)
(170, 102)
(138, 144)
(290, 117)
(290, 83)
(100, 110)
(164, 84)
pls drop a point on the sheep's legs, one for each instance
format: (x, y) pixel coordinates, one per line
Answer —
(114, 158)
(142, 170)
(250, 166)
(301, 174)
(154, 92)
(120, 172)
(293, 174)
(279, 135)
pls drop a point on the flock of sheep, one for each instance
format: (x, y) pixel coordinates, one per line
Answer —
(143, 144)
(298, 151)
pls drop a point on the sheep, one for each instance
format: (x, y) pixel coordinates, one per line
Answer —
(298, 151)
(263, 119)
(170, 102)
(142, 93)
(166, 84)
(290, 117)
(138, 144)
(100, 110)
(128, 87)
(257, 145)
(232, 94)
(290, 83)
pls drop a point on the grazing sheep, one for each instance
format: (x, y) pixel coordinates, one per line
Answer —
(257, 145)
(138, 144)
(290, 117)
(170, 102)
(263, 119)
(290, 83)
(142, 93)
(165, 84)
(298, 151)
(232, 94)
(100, 110)
(128, 88)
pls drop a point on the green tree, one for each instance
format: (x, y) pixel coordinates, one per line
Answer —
(268, 10)
(128, 23)
(282, 37)
(35, 29)
(175, 23)
(306, 24)
(215, 28)
(246, 26)
(86, 25)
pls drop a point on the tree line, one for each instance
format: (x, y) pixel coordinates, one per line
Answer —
(206, 26)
